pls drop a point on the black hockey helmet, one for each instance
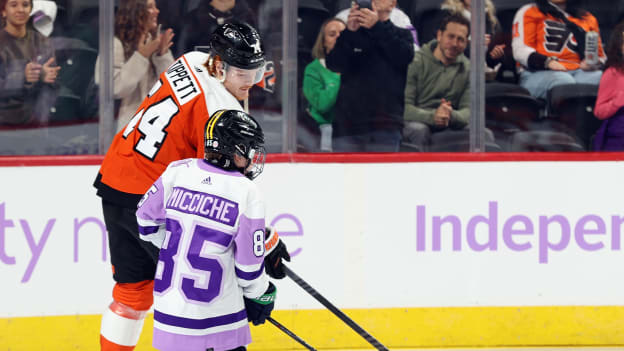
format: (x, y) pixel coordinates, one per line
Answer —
(238, 44)
(230, 132)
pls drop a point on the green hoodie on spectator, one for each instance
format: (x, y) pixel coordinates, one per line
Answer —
(428, 81)
(320, 87)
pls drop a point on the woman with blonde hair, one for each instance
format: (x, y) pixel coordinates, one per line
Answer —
(140, 52)
(321, 85)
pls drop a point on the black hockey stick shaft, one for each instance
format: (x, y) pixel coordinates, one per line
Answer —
(310, 290)
(291, 334)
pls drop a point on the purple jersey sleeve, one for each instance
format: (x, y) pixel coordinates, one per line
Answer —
(151, 214)
(249, 251)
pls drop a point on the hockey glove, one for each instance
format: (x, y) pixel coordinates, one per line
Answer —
(259, 309)
(275, 250)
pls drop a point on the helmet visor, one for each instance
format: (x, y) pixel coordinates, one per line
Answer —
(256, 156)
(244, 76)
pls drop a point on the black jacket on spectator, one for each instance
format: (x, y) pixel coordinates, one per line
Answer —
(373, 66)
(204, 19)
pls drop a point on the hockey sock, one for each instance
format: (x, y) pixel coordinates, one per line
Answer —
(123, 320)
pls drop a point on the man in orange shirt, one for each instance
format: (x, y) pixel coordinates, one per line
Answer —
(549, 45)
(169, 126)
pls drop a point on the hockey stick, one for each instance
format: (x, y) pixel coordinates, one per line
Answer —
(310, 290)
(291, 334)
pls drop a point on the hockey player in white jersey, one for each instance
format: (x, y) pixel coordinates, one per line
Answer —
(207, 218)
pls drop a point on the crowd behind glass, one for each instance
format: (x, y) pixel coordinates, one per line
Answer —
(371, 76)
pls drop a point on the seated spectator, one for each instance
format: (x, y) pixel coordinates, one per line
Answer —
(372, 56)
(320, 85)
(27, 67)
(140, 54)
(549, 45)
(204, 19)
(397, 17)
(437, 91)
(610, 101)
(493, 35)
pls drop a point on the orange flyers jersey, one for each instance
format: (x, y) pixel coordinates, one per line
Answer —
(534, 31)
(168, 126)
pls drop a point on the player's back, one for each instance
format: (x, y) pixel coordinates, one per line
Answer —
(168, 126)
(213, 252)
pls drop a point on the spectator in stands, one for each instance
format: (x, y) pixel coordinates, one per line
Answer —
(206, 17)
(493, 33)
(27, 67)
(610, 101)
(397, 17)
(372, 56)
(140, 52)
(320, 85)
(437, 92)
(549, 45)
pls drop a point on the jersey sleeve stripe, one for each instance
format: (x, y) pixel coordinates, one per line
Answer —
(148, 230)
(143, 222)
(190, 323)
(521, 51)
(249, 275)
(244, 254)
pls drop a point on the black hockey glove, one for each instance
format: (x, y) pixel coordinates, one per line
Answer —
(275, 251)
(259, 309)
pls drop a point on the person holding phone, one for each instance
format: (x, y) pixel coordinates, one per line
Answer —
(141, 52)
(397, 17)
(28, 69)
(372, 56)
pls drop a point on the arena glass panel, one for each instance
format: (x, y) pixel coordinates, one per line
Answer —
(514, 113)
(530, 107)
(192, 23)
(371, 95)
(57, 113)
(563, 120)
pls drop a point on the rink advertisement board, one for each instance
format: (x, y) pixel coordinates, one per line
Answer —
(415, 243)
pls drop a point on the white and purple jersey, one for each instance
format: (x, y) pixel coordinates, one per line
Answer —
(209, 226)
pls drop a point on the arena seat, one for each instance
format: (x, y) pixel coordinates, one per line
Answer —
(572, 106)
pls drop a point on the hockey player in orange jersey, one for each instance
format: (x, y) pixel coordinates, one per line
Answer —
(549, 44)
(168, 126)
